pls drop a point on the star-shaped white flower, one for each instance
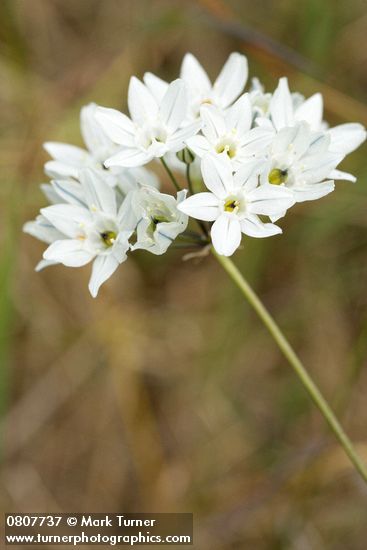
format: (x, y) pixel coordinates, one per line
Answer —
(300, 160)
(230, 132)
(227, 87)
(159, 220)
(155, 127)
(234, 202)
(69, 160)
(95, 231)
(284, 112)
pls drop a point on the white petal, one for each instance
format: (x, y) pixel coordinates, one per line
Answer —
(121, 246)
(311, 111)
(318, 167)
(255, 142)
(169, 231)
(194, 75)
(57, 169)
(239, 115)
(51, 194)
(339, 175)
(69, 191)
(217, 174)
(157, 149)
(202, 206)
(254, 227)
(95, 139)
(263, 122)
(176, 141)
(319, 143)
(232, 79)
(65, 153)
(226, 234)
(214, 125)
(117, 126)
(42, 229)
(142, 105)
(43, 264)
(313, 191)
(281, 105)
(102, 269)
(269, 200)
(174, 105)
(98, 194)
(247, 175)
(126, 214)
(345, 138)
(278, 216)
(199, 145)
(156, 86)
(67, 218)
(292, 142)
(69, 252)
(129, 158)
(181, 195)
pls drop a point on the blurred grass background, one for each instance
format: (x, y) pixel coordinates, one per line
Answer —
(166, 393)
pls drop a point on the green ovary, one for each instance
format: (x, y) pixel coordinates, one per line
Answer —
(231, 205)
(154, 221)
(108, 237)
(277, 176)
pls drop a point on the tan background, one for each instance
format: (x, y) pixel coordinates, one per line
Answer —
(166, 393)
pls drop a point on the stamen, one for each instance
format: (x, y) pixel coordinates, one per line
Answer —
(228, 148)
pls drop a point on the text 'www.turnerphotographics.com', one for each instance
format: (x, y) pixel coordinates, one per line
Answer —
(110, 529)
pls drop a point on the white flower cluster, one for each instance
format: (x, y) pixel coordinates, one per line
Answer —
(258, 154)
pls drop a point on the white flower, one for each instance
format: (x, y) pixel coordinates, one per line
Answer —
(234, 202)
(301, 161)
(159, 220)
(344, 138)
(225, 90)
(69, 160)
(155, 128)
(95, 232)
(230, 132)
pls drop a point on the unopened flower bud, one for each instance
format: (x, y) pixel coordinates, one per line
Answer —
(186, 156)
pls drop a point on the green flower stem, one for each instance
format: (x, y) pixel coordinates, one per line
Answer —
(169, 172)
(200, 223)
(188, 177)
(294, 361)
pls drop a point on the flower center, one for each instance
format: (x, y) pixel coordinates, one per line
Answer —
(108, 237)
(155, 219)
(159, 219)
(227, 146)
(277, 176)
(150, 134)
(232, 205)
